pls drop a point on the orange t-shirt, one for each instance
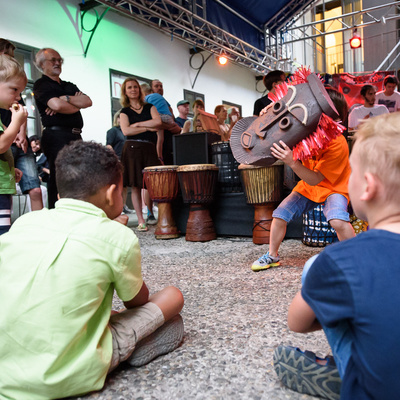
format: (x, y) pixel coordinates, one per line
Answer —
(333, 164)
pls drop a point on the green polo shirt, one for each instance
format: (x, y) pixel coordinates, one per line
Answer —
(59, 269)
(7, 173)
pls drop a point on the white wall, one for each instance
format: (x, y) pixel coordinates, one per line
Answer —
(122, 44)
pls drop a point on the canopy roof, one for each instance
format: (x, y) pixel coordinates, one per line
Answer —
(262, 14)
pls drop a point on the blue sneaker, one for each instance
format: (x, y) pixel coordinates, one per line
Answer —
(301, 372)
(264, 262)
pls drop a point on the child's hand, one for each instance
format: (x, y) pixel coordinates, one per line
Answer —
(19, 113)
(282, 152)
(18, 174)
(21, 141)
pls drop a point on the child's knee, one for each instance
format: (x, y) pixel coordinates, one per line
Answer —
(175, 294)
(338, 224)
(171, 295)
(35, 193)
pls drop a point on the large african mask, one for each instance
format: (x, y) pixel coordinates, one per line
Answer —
(303, 115)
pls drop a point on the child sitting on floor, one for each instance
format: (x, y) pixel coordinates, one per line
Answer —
(57, 336)
(351, 289)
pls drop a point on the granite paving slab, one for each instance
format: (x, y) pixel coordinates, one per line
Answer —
(234, 318)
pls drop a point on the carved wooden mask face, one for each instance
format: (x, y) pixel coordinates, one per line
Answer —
(291, 119)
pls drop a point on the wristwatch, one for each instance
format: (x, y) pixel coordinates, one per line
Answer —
(67, 98)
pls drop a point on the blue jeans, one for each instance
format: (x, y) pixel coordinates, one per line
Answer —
(27, 164)
(335, 207)
(340, 338)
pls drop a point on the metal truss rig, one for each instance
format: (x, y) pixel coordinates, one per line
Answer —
(348, 21)
(179, 22)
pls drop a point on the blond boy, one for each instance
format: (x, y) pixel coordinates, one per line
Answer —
(351, 290)
(12, 83)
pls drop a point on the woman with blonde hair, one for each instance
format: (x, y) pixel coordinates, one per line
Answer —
(139, 122)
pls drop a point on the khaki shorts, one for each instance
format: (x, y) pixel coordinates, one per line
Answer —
(129, 327)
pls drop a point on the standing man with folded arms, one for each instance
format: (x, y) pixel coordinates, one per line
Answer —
(59, 103)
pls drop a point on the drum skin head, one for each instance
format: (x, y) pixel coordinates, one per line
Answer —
(197, 167)
(291, 119)
(161, 168)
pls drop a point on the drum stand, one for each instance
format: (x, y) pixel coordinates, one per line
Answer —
(262, 222)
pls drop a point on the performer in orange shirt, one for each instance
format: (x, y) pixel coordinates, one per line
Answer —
(324, 179)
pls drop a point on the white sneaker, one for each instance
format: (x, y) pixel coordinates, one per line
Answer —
(264, 262)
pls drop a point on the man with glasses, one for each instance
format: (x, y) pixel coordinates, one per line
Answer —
(59, 104)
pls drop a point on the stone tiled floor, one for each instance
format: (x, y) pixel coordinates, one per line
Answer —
(234, 318)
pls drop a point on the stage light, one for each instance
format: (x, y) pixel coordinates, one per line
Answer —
(355, 41)
(222, 60)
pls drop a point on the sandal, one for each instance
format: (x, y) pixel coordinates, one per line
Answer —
(142, 228)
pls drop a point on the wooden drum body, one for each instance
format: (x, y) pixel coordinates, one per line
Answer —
(162, 183)
(263, 187)
(198, 182)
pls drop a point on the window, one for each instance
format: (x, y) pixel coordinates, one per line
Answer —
(25, 55)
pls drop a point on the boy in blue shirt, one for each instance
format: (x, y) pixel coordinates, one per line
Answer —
(351, 289)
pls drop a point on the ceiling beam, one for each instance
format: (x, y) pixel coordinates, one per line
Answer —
(180, 22)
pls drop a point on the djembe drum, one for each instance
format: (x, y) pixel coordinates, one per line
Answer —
(316, 229)
(198, 182)
(263, 188)
(162, 183)
(228, 174)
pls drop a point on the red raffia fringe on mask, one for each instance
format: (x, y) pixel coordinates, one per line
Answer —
(327, 130)
(300, 76)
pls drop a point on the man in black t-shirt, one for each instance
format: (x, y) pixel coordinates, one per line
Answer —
(59, 104)
(270, 80)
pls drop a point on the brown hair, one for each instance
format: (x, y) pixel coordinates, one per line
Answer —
(272, 77)
(218, 109)
(124, 100)
(198, 102)
(388, 79)
(6, 47)
(339, 102)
